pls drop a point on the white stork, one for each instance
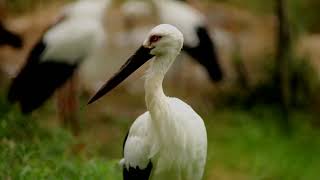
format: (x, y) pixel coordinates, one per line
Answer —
(55, 58)
(169, 141)
(192, 23)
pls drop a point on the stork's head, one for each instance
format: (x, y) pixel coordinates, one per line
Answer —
(162, 40)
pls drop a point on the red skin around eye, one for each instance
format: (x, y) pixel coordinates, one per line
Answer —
(154, 38)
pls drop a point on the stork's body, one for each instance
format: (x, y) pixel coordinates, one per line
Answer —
(58, 54)
(168, 141)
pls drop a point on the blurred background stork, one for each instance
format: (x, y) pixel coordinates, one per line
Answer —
(261, 116)
(198, 44)
(55, 58)
(7, 38)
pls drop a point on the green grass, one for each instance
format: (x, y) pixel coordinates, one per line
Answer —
(252, 143)
(48, 157)
(243, 144)
(28, 151)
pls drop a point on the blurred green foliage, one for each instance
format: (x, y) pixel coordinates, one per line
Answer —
(13, 124)
(304, 83)
(250, 143)
(257, 6)
(304, 15)
(21, 6)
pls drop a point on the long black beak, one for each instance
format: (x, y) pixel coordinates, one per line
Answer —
(141, 56)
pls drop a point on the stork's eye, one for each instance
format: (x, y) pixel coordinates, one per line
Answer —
(155, 38)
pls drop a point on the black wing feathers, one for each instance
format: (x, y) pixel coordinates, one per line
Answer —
(9, 38)
(136, 173)
(37, 80)
(205, 53)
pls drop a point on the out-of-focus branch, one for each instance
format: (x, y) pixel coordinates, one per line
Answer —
(283, 53)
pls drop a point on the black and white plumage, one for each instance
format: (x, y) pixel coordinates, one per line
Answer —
(205, 53)
(37, 81)
(59, 52)
(169, 141)
(198, 43)
(9, 38)
(135, 173)
(192, 23)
